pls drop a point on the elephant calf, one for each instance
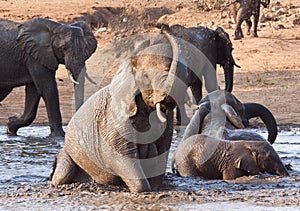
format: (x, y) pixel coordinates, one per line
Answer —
(217, 145)
(245, 10)
(211, 158)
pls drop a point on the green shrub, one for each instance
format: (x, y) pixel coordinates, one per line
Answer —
(208, 5)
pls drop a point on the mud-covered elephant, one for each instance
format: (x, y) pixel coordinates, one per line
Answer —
(215, 144)
(243, 12)
(122, 133)
(29, 56)
(222, 115)
(205, 48)
(212, 158)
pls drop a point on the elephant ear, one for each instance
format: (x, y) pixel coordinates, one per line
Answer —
(247, 162)
(228, 50)
(123, 90)
(35, 39)
(90, 40)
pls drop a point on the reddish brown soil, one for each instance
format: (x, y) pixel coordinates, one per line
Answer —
(270, 72)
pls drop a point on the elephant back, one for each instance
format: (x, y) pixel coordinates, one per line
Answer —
(83, 138)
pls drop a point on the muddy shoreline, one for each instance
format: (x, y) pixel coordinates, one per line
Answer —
(260, 190)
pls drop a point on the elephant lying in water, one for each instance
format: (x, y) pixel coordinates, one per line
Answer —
(29, 56)
(222, 115)
(215, 147)
(123, 133)
(211, 158)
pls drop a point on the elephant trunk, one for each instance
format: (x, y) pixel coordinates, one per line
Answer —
(79, 89)
(194, 127)
(258, 110)
(228, 73)
(169, 83)
(229, 63)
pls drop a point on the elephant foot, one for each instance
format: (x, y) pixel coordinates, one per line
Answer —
(57, 132)
(238, 35)
(11, 128)
(237, 38)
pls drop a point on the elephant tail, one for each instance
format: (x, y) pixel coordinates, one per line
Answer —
(258, 110)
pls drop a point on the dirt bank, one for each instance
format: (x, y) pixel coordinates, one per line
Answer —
(270, 72)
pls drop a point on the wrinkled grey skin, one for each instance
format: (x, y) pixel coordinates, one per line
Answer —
(222, 115)
(205, 48)
(223, 150)
(244, 11)
(117, 136)
(29, 56)
(211, 158)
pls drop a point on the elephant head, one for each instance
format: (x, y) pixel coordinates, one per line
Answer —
(237, 114)
(224, 57)
(52, 43)
(151, 74)
(258, 157)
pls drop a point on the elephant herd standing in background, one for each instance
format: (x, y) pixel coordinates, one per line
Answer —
(122, 134)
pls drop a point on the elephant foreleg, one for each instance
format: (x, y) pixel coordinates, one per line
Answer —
(50, 96)
(45, 83)
(197, 91)
(249, 25)
(64, 169)
(238, 33)
(32, 99)
(256, 19)
(181, 116)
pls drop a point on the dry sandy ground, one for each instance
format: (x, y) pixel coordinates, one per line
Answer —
(270, 72)
(270, 75)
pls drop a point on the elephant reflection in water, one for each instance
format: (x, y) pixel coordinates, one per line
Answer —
(216, 144)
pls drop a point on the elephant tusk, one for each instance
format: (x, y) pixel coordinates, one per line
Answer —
(90, 79)
(194, 107)
(233, 117)
(237, 65)
(160, 114)
(71, 78)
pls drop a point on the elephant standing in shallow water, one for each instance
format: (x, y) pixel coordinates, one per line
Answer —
(122, 134)
(29, 56)
(215, 144)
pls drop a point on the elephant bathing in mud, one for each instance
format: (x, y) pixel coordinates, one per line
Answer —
(29, 56)
(215, 144)
(212, 158)
(222, 115)
(122, 133)
(243, 12)
(205, 48)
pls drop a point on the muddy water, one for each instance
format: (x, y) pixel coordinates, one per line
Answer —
(26, 161)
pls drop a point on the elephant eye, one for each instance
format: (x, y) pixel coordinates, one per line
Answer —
(145, 75)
